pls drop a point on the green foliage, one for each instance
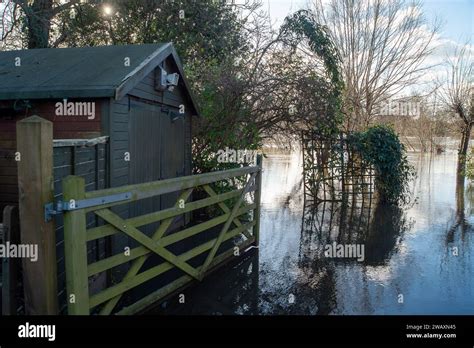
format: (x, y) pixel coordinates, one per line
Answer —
(302, 25)
(225, 120)
(381, 147)
(195, 27)
(378, 145)
(240, 104)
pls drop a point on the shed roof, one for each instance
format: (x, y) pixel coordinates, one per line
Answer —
(85, 72)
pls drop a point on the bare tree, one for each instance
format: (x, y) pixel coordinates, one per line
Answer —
(10, 16)
(267, 93)
(383, 45)
(35, 16)
(457, 93)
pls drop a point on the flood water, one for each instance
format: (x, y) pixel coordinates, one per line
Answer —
(418, 260)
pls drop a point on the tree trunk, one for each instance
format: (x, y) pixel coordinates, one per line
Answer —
(39, 23)
(462, 152)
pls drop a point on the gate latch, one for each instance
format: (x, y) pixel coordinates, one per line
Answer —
(56, 208)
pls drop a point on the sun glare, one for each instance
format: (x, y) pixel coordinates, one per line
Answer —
(108, 10)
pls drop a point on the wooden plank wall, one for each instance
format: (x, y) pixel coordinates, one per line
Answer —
(119, 125)
(8, 166)
(65, 127)
(89, 163)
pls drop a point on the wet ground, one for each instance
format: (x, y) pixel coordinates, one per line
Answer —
(417, 260)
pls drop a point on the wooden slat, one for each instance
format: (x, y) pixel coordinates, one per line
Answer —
(10, 266)
(224, 207)
(165, 224)
(155, 188)
(8, 171)
(108, 230)
(35, 175)
(158, 242)
(137, 264)
(146, 241)
(186, 233)
(80, 142)
(7, 144)
(117, 260)
(257, 198)
(75, 249)
(151, 273)
(178, 283)
(225, 228)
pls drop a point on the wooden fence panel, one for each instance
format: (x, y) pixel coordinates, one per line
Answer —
(85, 158)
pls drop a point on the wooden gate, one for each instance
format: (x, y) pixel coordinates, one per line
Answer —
(237, 223)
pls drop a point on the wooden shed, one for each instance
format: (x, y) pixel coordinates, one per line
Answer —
(148, 122)
(136, 97)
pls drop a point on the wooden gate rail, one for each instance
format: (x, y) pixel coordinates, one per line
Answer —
(76, 235)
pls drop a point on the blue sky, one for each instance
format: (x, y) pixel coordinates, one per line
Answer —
(457, 15)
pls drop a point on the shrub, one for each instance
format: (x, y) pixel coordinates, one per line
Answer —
(381, 147)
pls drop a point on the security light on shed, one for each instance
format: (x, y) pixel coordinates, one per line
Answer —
(172, 79)
(164, 80)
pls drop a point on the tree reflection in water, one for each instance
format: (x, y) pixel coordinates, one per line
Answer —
(356, 219)
(461, 223)
(237, 295)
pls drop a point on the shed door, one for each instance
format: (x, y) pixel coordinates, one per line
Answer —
(145, 155)
(172, 153)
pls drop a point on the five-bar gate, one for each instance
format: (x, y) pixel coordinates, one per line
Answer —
(237, 226)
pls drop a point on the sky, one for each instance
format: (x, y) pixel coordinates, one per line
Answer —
(278, 9)
(456, 15)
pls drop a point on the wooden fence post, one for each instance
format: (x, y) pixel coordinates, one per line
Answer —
(75, 248)
(258, 192)
(35, 184)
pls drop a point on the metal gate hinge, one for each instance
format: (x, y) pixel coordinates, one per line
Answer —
(55, 208)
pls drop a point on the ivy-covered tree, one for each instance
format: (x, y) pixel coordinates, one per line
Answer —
(302, 28)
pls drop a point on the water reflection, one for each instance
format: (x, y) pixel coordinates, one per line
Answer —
(407, 251)
(360, 221)
(238, 294)
(460, 223)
